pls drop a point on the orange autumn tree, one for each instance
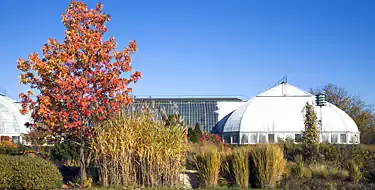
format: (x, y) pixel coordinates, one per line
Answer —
(79, 80)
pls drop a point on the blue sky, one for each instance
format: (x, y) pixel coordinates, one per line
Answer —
(213, 47)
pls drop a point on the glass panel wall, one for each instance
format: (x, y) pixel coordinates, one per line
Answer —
(297, 138)
(325, 137)
(253, 138)
(262, 138)
(271, 138)
(334, 138)
(343, 138)
(235, 139)
(245, 139)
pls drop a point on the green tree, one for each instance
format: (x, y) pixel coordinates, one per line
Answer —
(362, 113)
(310, 133)
(197, 129)
(192, 135)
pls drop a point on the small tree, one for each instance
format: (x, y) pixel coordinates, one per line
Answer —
(310, 134)
(192, 135)
(79, 81)
(197, 129)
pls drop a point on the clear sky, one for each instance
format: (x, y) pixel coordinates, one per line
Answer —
(213, 47)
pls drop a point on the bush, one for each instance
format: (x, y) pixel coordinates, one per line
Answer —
(7, 147)
(354, 171)
(208, 161)
(267, 165)
(212, 139)
(241, 166)
(139, 150)
(24, 172)
(65, 153)
(328, 172)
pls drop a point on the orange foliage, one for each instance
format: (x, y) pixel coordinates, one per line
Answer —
(79, 79)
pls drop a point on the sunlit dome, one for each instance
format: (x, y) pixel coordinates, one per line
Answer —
(278, 114)
(12, 122)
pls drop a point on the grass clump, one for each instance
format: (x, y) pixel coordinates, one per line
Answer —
(268, 165)
(241, 167)
(138, 149)
(207, 162)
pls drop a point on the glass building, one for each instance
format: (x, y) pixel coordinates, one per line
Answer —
(12, 122)
(278, 114)
(206, 111)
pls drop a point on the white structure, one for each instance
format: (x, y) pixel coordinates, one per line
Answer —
(278, 113)
(12, 122)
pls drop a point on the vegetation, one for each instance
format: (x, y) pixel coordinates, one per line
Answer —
(80, 80)
(208, 162)
(241, 168)
(195, 133)
(139, 150)
(268, 165)
(25, 172)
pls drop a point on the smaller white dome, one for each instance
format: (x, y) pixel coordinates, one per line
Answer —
(12, 122)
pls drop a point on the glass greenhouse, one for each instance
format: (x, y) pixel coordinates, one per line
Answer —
(12, 122)
(277, 115)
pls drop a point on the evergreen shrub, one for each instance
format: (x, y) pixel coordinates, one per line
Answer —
(25, 172)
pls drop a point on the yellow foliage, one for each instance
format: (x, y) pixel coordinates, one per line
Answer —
(138, 150)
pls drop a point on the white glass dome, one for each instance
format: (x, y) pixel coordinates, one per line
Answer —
(12, 122)
(278, 114)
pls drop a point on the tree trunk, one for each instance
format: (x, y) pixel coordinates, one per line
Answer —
(82, 165)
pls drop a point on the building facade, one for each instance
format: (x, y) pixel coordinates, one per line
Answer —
(206, 111)
(278, 114)
(12, 122)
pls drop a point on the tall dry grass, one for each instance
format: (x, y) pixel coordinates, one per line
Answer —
(137, 149)
(207, 160)
(268, 164)
(241, 168)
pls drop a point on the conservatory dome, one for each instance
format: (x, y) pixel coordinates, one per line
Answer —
(12, 122)
(278, 114)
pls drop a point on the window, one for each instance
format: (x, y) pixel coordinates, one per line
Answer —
(343, 138)
(262, 138)
(280, 137)
(235, 139)
(271, 138)
(289, 137)
(245, 139)
(334, 138)
(325, 137)
(15, 139)
(297, 138)
(356, 138)
(226, 138)
(253, 138)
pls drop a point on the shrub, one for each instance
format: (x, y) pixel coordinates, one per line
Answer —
(65, 153)
(241, 166)
(208, 161)
(328, 172)
(268, 165)
(354, 171)
(319, 171)
(139, 150)
(24, 172)
(7, 147)
(213, 139)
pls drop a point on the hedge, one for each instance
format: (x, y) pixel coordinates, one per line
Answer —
(25, 172)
